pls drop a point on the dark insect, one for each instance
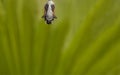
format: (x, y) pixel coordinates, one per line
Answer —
(49, 14)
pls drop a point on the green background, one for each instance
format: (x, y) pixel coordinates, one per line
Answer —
(83, 40)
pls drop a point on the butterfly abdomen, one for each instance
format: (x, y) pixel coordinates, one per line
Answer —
(49, 22)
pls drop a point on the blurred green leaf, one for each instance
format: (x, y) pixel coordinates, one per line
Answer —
(84, 40)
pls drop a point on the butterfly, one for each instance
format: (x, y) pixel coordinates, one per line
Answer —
(49, 13)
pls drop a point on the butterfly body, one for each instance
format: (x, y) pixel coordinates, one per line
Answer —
(49, 12)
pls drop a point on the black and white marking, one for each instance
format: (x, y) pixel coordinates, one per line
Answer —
(49, 14)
